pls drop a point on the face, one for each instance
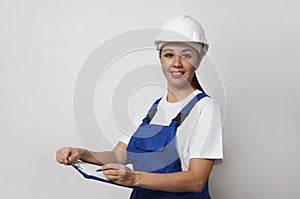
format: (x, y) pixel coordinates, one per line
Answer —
(179, 62)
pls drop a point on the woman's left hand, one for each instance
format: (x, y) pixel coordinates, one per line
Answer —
(119, 174)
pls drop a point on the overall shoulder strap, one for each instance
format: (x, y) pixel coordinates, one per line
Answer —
(187, 109)
(151, 112)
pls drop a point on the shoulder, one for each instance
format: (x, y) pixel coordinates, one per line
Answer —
(207, 104)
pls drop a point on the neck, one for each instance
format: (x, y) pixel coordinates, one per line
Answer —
(175, 95)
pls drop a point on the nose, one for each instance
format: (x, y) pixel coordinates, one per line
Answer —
(177, 62)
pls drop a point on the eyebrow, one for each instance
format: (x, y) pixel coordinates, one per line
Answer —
(187, 50)
(170, 49)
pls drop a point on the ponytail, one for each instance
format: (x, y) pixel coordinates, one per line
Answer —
(195, 83)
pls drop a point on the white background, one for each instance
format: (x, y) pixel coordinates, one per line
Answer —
(255, 45)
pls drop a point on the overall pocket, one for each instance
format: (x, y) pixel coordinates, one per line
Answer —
(151, 145)
(153, 137)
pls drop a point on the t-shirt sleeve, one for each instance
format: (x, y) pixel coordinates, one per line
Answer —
(125, 139)
(207, 134)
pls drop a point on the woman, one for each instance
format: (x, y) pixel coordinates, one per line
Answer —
(174, 149)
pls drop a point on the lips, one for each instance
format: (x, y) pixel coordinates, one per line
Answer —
(177, 74)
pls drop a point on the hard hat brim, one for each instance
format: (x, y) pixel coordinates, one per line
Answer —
(200, 47)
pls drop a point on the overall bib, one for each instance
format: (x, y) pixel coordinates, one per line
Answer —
(152, 148)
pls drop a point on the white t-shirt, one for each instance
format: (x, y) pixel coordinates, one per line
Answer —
(200, 134)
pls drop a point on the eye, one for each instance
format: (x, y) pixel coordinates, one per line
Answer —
(186, 56)
(168, 55)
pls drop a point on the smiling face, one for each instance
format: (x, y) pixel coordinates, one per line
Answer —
(179, 62)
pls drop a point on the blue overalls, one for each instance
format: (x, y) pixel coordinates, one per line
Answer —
(152, 148)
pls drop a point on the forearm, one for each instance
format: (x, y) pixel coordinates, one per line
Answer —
(98, 158)
(117, 155)
(184, 181)
(192, 180)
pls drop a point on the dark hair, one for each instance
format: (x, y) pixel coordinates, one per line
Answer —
(195, 83)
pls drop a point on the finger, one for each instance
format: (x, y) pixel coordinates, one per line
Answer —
(111, 166)
(113, 178)
(66, 151)
(119, 177)
(59, 157)
(114, 175)
(111, 172)
(73, 156)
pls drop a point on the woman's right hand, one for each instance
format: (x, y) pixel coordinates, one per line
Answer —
(67, 155)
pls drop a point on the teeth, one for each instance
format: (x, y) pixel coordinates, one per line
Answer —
(177, 73)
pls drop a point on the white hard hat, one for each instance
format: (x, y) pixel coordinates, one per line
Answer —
(183, 29)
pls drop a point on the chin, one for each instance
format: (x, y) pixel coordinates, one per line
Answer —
(179, 86)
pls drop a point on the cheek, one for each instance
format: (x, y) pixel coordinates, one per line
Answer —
(164, 67)
(164, 64)
(162, 61)
(192, 64)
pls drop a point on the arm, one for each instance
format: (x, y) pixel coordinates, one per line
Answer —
(192, 180)
(66, 155)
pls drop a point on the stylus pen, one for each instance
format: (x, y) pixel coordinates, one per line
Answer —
(98, 170)
(123, 163)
